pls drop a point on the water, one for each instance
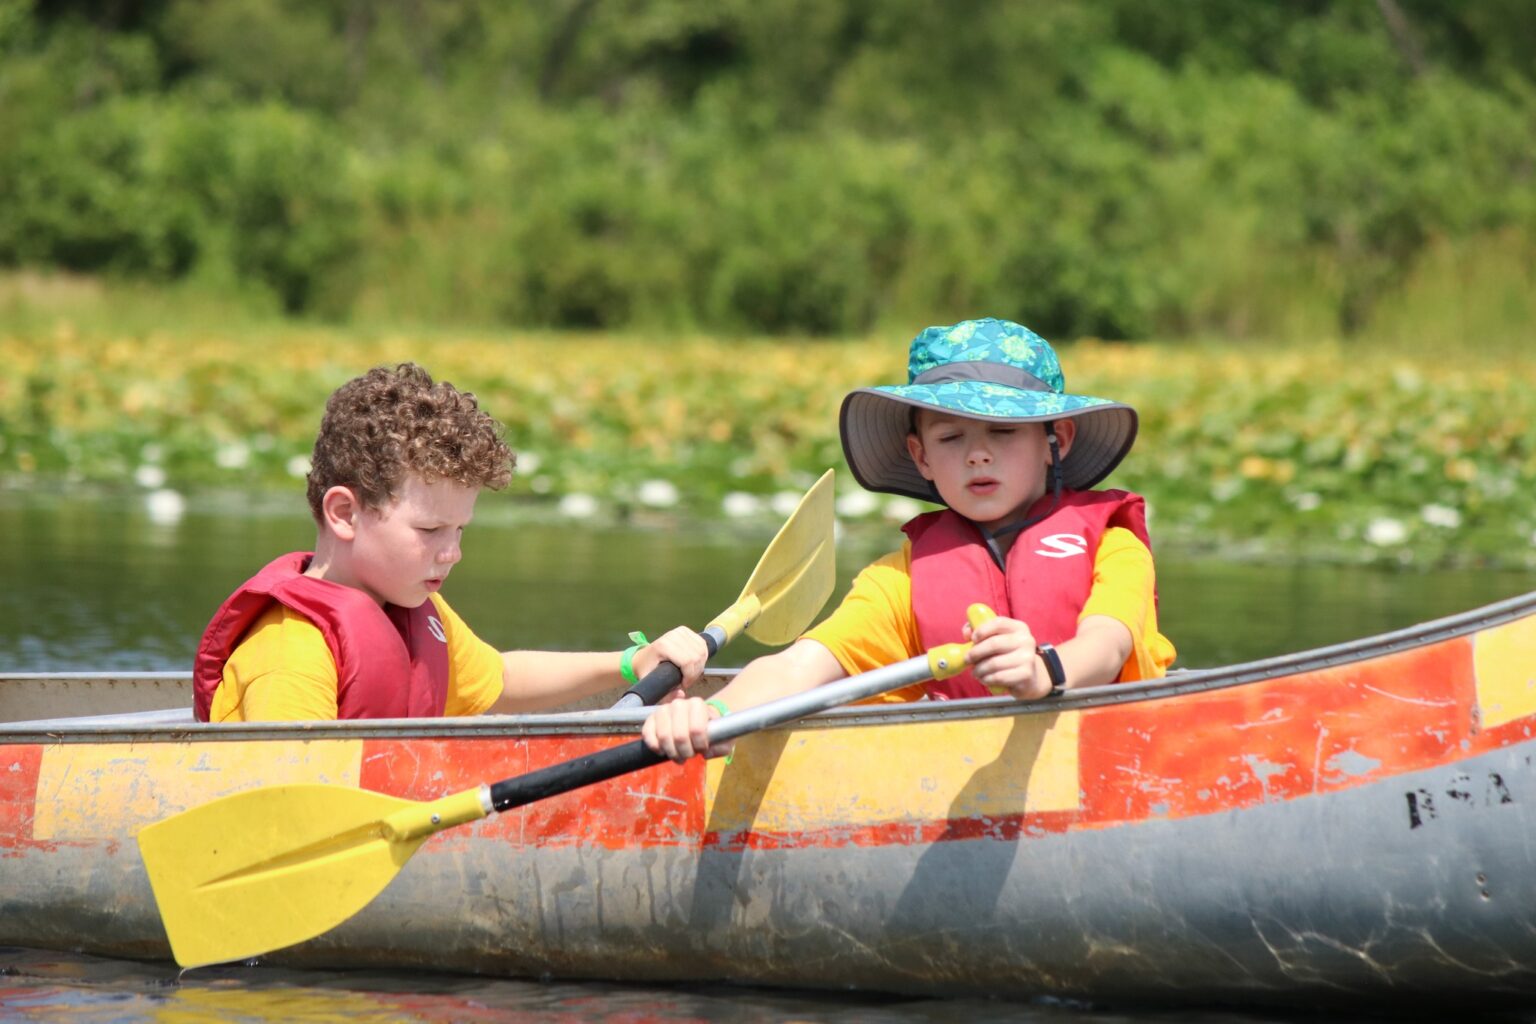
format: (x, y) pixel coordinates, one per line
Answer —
(95, 582)
(36, 985)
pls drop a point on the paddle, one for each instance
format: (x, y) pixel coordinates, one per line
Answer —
(792, 581)
(255, 871)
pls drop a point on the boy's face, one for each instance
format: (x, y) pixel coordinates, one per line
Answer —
(402, 552)
(988, 472)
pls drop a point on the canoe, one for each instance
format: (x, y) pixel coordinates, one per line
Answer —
(1351, 823)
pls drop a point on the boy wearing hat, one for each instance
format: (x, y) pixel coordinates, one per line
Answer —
(985, 427)
(358, 628)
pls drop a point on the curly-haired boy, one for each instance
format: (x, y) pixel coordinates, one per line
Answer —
(357, 629)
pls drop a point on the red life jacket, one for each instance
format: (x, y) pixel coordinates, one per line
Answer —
(1050, 572)
(391, 662)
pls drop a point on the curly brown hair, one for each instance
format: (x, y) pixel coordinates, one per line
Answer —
(388, 422)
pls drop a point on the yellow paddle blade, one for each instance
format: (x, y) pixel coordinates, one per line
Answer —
(263, 869)
(796, 574)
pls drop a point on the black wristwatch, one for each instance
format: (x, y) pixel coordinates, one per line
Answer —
(1053, 668)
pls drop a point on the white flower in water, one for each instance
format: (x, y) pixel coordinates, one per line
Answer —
(298, 466)
(165, 507)
(657, 494)
(1496, 486)
(1441, 515)
(528, 462)
(1226, 490)
(1307, 501)
(784, 502)
(741, 505)
(1385, 531)
(857, 504)
(899, 509)
(234, 455)
(578, 506)
(149, 477)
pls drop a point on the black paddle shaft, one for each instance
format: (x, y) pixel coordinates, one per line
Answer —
(573, 774)
(943, 661)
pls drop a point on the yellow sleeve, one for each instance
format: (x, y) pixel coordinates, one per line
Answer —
(474, 666)
(874, 625)
(1124, 588)
(282, 671)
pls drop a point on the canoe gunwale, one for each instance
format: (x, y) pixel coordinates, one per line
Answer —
(101, 729)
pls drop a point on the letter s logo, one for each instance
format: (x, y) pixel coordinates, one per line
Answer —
(436, 628)
(1062, 545)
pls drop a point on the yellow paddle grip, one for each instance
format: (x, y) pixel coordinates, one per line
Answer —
(738, 616)
(421, 820)
(948, 660)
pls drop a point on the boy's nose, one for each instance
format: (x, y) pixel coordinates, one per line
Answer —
(980, 454)
(450, 555)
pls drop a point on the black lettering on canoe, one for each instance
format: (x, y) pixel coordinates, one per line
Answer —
(1420, 807)
(1421, 802)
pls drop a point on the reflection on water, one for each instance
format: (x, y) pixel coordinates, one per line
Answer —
(95, 583)
(36, 985)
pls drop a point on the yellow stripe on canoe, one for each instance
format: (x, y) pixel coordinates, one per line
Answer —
(810, 779)
(1506, 677)
(105, 790)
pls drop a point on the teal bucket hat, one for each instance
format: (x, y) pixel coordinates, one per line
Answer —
(988, 370)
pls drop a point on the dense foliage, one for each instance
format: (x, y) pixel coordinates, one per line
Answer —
(1119, 168)
(1315, 452)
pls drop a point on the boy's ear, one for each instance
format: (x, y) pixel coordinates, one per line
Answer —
(919, 457)
(1066, 430)
(339, 509)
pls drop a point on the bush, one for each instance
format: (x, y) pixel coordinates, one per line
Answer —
(158, 189)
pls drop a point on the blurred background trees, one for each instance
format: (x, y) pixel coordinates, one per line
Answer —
(1243, 169)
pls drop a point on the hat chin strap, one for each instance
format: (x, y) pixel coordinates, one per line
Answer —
(991, 537)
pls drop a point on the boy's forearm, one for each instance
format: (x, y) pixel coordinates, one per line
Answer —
(802, 666)
(537, 680)
(1097, 653)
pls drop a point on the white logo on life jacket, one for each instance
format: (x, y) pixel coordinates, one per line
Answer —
(437, 628)
(1062, 545)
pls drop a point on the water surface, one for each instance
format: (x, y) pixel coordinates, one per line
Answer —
(95, 582)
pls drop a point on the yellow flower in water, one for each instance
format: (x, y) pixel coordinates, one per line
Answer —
(1255, 467)
(1461, 470)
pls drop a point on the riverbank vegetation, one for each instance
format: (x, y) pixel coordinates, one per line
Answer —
(661, 238)
(1318, 452)
(1242, 169)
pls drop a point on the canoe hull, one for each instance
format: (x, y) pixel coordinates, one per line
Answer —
(1355, 825)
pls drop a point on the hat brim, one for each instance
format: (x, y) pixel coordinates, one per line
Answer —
(874, 424)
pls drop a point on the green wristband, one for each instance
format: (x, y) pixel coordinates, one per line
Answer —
(720, 706)
(627, 659)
